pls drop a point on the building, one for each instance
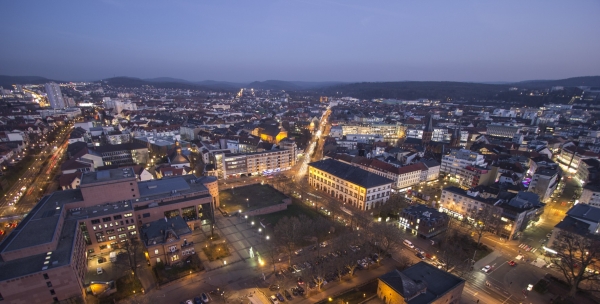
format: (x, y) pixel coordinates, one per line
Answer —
(403, 177)
(54, 95)
(543, 182)
(468, 168)
(166, 240)
(506, 130)
(421, 283)
(44, 259)
(590, 195)
(581, 220)
(349, 184)
(571, 157)
(228, 165)
(509, 213)
(423, 221)
(123, 154)
(428, 130)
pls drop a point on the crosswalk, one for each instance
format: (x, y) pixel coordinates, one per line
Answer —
(527, 247)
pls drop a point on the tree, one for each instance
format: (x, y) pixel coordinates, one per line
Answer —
(131, 246)
(288, 232)
(384, 236)
(575, 253)
(394, 204)
(321, 228)
(484, 220)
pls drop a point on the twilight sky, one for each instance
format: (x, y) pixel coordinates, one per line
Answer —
(309, 40)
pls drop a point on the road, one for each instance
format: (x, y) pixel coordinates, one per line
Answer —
(25, 192)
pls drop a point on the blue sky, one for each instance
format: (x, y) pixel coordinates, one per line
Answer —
(309, 40)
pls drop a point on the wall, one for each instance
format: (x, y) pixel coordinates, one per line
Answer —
(32, 289)
(391, 296)
(271, 209)
(110, 191)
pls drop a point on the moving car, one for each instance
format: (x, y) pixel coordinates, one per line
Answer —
(486, 268)
(512, 263)
(420, 256)
(408, 243)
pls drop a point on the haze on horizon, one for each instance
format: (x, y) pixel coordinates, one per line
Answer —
(310, 40)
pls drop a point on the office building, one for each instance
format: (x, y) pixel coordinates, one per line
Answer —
(45, 258)
(349, 184)
(543, 182)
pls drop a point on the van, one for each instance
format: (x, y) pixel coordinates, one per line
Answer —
(113, 256)
(409, 244)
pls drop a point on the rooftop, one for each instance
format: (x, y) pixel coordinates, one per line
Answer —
(585, 212)
(159, 231)
(107, 175)
(36, 263)
(411, 280)
(351, 173)
(39, 226)
(170, 186)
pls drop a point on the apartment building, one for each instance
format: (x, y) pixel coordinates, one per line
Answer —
(166, 240)
(590, 195)
(511, 213)
(229, 165)
(543, 182)
(468, 168)
(349, 184)
(389, 132)
(44, 259)
(570, 157)
(582, 221)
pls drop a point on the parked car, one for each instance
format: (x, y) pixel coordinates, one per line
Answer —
(295, 291)
(512, 263)
(205, 297)
(420, 256)
(300, 281)
(296, 269)
(274, 287)
(419, 250)
(280, 297)
(287, 295)
(274, 299)
(486, 268)
(197, 300)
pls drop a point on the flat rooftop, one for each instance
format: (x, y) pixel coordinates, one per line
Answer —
(170, 186)
(40, 225)
(100, 210)
(107, 175)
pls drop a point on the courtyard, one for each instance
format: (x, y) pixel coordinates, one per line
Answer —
(249, 198)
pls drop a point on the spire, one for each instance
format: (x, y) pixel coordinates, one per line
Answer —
(429, 125)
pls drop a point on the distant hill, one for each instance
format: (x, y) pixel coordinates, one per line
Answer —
(588, 81)
(172, 84)
(411, 90)
(166, 79)
(221, 84)
(8, 81)
(290, 85)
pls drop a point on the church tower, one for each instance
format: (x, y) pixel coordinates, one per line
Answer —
(428, 131)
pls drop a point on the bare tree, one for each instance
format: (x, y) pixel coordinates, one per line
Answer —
(453, 254)
(384, 237)
(394, 204)
(577, 257)
(485, 220)
(131, 246)
(288, 232)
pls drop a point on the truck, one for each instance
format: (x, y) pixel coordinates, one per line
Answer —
(113, 256)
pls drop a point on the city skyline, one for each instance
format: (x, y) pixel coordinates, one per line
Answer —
(302, 41)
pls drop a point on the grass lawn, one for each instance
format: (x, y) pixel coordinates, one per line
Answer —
(166, 274)
(292, 210)
(355, 295)
(256, 196)
(126, 286)
(216, 251)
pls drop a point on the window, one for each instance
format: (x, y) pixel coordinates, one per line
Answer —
(131, 227)
(46, 277)
(122, 236)
(95, 221)
(133, 232)
(155, 251)
(117, 217)
(52, 292)
(112, 237)
(121, 229)
(106, 219)
(49, 284)
(128, 215)
(146, 215)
